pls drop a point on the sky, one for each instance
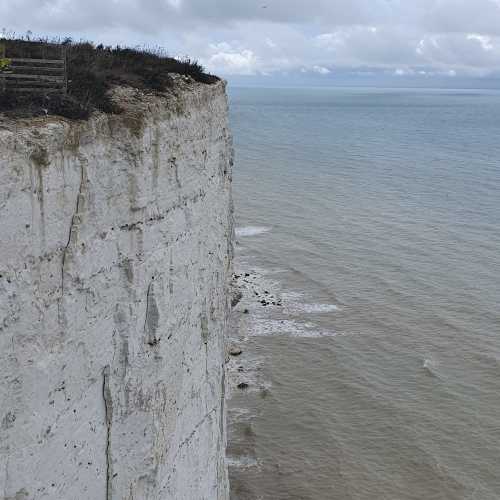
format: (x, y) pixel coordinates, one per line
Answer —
(322, 42)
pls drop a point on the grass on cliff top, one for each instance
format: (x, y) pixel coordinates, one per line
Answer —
(92, 71)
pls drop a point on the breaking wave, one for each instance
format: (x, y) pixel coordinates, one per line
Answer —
(251, 230)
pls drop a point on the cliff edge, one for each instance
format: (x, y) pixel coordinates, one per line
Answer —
(115, 261)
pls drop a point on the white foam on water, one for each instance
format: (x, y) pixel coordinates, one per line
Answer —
(251, 230)
(319, 308)
(265, 327)
(292, 296)
(427, 363)
(294, 303)
(257, 286)
(242, 462)
(430, 366)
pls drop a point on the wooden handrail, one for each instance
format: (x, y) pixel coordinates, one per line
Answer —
(45, 61)
(35, 77)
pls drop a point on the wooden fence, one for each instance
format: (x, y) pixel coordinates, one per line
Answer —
(20, 72)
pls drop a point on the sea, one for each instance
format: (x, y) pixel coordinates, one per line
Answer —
(368, 255)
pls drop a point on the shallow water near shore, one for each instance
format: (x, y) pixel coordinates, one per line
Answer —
(368, 253)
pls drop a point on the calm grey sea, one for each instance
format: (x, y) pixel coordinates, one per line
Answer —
(372, 220)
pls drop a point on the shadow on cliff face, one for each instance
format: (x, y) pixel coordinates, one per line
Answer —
(91, 71)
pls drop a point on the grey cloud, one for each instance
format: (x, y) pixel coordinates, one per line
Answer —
(288, 11)
(273, 36)
(69, 15)
(458, 16)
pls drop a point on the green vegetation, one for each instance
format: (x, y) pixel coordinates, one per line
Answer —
(4, 63)
(91, 72)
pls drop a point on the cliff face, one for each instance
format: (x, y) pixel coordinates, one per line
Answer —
(115, 258)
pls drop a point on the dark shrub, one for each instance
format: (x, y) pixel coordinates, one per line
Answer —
(92, 71)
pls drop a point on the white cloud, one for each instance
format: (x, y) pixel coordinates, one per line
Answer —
(460, 52)
(484, 41)
(404, 72)
(321, 70)
(270, 43)
(233, 63)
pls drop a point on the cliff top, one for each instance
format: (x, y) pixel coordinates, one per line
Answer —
(87, 74)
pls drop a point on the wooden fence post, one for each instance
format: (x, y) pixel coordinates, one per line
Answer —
(2, 58)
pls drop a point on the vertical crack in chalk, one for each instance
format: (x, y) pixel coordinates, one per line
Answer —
(152, 318)
(220, 441)
(223, 402)
(75, 219)
(108, 416)
(148, 293)
(205, 335)
(6, 476)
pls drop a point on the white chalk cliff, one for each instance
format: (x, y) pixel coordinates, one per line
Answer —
(115, 260)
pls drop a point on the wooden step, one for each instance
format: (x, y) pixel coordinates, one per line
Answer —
(36, 68)
(32, 90)
(17, 76)
(30, 83)
(45, 61)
